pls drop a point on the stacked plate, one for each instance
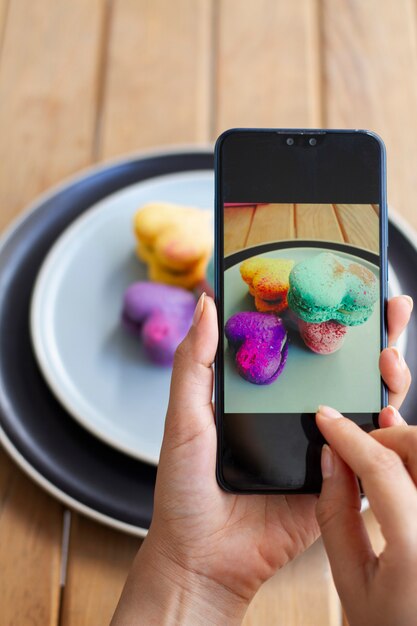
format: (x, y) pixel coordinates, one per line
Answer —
(63, 269)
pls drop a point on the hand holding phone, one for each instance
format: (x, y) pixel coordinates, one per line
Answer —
(207, 551)
(375, 590)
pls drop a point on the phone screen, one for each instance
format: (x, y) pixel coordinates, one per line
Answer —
(301, 286)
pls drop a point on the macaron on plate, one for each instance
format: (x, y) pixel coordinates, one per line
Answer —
(322, 364)
(101, 373)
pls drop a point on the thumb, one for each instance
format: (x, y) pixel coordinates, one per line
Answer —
(190, 404)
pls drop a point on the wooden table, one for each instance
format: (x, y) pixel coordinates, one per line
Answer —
(85, 80)
(251, 225)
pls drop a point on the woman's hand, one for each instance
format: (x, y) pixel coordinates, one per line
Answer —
(375, 591)
(207, 551)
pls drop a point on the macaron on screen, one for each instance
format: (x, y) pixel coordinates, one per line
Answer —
(302, 323)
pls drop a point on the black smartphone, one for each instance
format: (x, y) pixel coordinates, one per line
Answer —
(301, 286)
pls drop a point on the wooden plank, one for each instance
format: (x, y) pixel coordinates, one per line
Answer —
(50, 56)
(158, 86)
(370, 69)
(297, 595)
(30, 544)
(317, 221)
(267, 65)
(359, 224)
(48, 93)
(237, 221)
(271, 222)
(99, 561)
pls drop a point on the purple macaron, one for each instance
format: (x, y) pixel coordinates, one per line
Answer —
(160, 315)
(260, 344)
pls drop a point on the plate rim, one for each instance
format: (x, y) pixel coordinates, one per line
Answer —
(63, 497)
(9, 237)
(39, 343)
(95, 168)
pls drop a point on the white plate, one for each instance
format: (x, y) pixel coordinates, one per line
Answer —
(96, 369)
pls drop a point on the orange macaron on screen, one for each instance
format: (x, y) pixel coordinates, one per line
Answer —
(301, 294)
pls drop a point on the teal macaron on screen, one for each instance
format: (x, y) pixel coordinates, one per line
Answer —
(301, 298)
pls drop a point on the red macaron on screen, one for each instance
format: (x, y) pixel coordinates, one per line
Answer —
(301, 295)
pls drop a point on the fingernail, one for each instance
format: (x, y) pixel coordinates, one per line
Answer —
(327, 462)
(199, 309)
(395, 416)
(400, 359)
(328, 411)
(410, 301)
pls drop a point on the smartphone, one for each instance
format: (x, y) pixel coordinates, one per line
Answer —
(301, 287)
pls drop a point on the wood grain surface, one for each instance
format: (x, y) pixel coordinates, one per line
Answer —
(158, 80)
(267, 64)
(81, 81)
(271, 222)
(30, 543)
(369, 81)
(48, 95)
(98, 561)
(357, 225)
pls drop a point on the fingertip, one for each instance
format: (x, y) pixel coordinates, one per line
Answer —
(409, 300)
(200, 343)
(325, 416)
(393, 369)
(389, 416)
(398, 312)
(328, 412)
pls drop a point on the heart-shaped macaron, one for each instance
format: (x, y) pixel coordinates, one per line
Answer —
(259, 341)
(175, 241)
(160, 315)
(267, 279)
(329, 287)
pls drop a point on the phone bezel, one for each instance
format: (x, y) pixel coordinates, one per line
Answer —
(219, 269)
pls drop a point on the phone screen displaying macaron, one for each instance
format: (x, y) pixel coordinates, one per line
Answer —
(301, 307)
(301, 283)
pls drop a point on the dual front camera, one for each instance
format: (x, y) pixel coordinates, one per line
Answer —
(312, 141)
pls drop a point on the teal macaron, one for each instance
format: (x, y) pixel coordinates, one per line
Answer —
(328, 287)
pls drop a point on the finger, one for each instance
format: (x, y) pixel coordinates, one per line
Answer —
(389, 416)
(343, 531)
(390, 489)
(190, 404)
(404, 442)
(398, 315)
(396, 375)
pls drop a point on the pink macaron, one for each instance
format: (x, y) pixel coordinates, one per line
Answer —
(323, 338)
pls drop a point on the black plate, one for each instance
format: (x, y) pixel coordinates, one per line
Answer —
(36, 428)
(38, 432)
